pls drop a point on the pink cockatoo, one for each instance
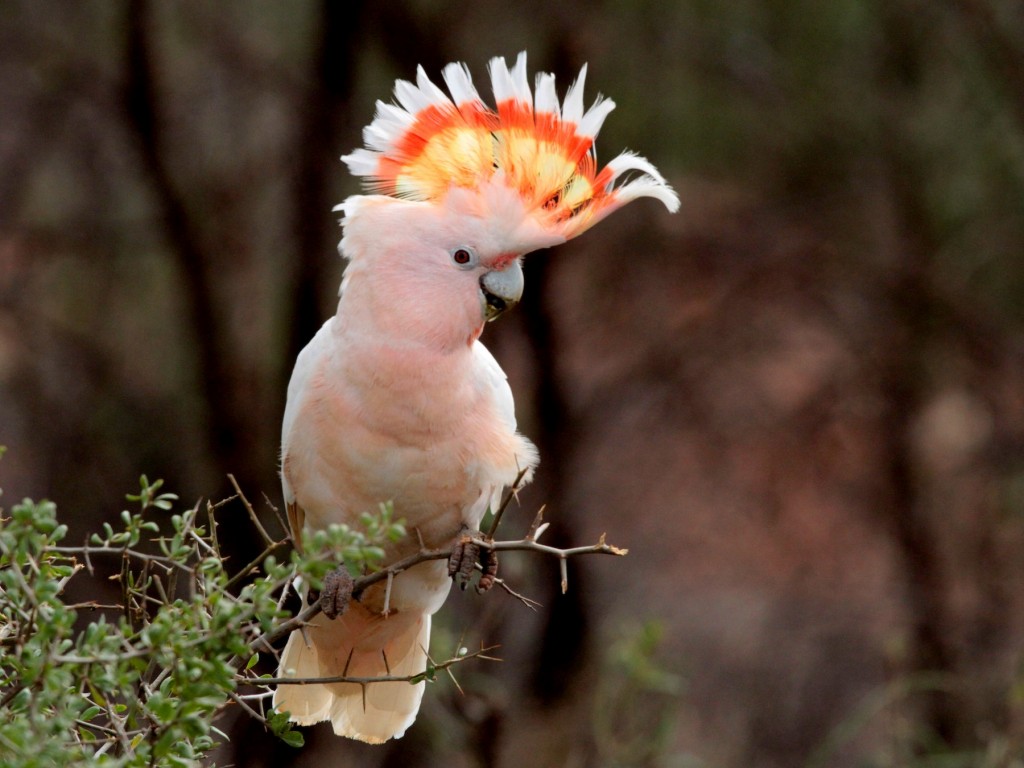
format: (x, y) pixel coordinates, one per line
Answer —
(395, 398)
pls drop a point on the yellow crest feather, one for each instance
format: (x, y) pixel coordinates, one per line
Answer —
(429, 143)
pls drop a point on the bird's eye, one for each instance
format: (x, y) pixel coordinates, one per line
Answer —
(464, 256)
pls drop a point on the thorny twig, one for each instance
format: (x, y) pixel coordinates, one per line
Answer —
(432, 668)
(252, 512)
(153, 584)
(529, 544)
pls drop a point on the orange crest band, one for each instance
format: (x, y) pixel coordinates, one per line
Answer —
(429, 143)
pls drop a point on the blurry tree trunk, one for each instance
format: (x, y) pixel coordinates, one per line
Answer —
(905, 386)
(910, 522)
(323, 121)
(562, 647)
(223, 412)
(324, 118)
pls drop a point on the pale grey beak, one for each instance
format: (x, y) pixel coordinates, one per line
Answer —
(501, 289)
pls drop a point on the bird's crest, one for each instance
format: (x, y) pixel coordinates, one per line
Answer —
(429, 143)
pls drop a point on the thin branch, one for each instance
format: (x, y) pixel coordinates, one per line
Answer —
(425, 675)
(530, 603)
(210, 514)
(266, 640)
(252, 512)
(118, 727)
(254, 563)
(240, 701)
(280, 518)
(509, 495)
(86, 550)
(529, 545)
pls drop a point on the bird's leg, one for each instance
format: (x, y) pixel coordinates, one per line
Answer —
(465, 556)
(489, 568)
(336, 594)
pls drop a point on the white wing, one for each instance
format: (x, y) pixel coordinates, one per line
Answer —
(305, 365)
(494, 379)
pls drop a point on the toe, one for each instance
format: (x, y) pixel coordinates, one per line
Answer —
(337, 592)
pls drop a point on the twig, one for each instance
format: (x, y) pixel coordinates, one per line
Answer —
(424, 675)
(118, 727)
(563, 555)
(530, 603)
(280, 518)
(241, 702)
(387, 595)
(266, 640)
(512, 491)
(213, 529)
(255, 563)
(536, 529)
(252, 512)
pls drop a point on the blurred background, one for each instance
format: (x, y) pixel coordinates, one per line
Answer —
(799, 402)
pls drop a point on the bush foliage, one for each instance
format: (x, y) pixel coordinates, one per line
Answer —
(146, 681)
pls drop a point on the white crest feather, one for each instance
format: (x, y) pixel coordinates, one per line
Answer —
(572, 108)
(520, 81)
(545, 97)
(460, 143)
(460, 83)
(594, 118)
(501, 80)
(649, 182)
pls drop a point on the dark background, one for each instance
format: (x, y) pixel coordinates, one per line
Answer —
(799, 402)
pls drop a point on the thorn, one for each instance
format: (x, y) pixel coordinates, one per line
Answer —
(564, 565)
(512, 493)
(452, 676)
(344, 672)
(88, 562)
(384, 655)
(535, 524)
(387, 596)
(362, 686)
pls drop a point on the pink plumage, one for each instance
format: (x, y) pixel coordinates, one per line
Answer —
(395, 399)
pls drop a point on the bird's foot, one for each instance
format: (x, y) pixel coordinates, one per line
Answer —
(336, 594)
(466, 554)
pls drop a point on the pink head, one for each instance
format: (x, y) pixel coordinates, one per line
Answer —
(464, 189)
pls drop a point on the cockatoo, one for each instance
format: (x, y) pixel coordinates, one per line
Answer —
(395, 398)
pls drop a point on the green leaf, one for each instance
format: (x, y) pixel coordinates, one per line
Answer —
(96, 695)
(293, 738)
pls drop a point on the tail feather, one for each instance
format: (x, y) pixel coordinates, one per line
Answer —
(352, 645)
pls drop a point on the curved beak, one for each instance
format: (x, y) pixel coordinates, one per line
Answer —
(501, 289)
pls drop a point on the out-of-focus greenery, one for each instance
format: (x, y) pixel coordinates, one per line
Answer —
(637, 701)
(147, 681)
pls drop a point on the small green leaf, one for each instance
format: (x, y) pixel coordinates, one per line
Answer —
(96, 695)
(293, 738)
(252, 661)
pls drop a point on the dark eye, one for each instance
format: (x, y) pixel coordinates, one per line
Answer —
(464, 256)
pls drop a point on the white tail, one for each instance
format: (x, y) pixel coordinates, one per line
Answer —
(358, 643)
